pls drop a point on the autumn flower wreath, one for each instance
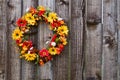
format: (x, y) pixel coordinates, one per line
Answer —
(31, 19)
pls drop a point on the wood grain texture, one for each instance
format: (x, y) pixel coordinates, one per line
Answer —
(118, 30)
(93, 51)
(76, 39)
(109, 58)
(93, 39)
(2, 39)
(29, 69)
(60, 64)
(14, 11)
(44, 72)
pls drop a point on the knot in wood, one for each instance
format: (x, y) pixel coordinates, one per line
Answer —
(63, 2)
(110, 41)
(93, 20)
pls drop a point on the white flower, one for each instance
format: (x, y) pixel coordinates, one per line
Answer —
(31, 48)
(26, 30)
(53, 44)
(27, 9)
(28, 52)
(59, 19)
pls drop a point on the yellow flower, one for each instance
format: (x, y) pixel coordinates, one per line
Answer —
(62, 30)
(17, 34)
(63, 40)
(53, 51)
(30, 18)
(30, 57)
(42, 8)
(52, 16)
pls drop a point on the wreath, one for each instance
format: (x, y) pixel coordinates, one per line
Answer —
(31, 19)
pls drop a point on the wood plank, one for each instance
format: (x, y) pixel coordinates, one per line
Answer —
(93, 40)
(118, 29)
(3, 41)
(44, 72)
(60, 64)
(76, 39)
(109, 62)
(14, 11)
(29, 69)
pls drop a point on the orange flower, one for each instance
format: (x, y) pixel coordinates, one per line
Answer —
(60, 46)
(33, 10)
(41, 62)
(58, 50)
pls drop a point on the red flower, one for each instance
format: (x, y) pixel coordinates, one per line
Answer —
(43, 53)
(40, 13)
(21, 22)
(61, 47)
(48, 58)
(27, 43)
(55, 24)
(18, 41)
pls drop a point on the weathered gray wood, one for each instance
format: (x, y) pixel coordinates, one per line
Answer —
(109, 63)
(92, 50)
(44, 72)
(76, 39)
(118, 29)
(93, 38)
(13, 67)
(60, 64)
(29, 69)
(2, 39)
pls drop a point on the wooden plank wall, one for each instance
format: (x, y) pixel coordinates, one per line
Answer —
(93, 50)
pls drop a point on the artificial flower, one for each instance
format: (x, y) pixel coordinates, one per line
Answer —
(41, 8)
(27, 45)
(21, 22)
(63, 30)
(40, 13)
(55, 24)
(63, 40)
(61, 46)
(30, 57)
(17, 34)
(52, 51)
(33, 10)
(53, 44)
(58, 50)
(24, 47)
(25, 29)
(23, 52)
(41, 62)
(43, 53)
(30, 18)
(19, 42)
(52, 17)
